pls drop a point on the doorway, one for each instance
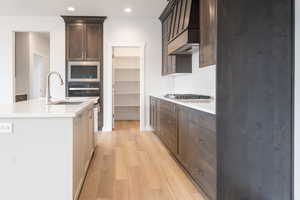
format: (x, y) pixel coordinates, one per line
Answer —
(32, 64)
(126, 82)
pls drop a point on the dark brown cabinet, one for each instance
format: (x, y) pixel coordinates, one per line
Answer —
(84, 37)
(168, 125)
(93, 42)
(197, 147)
(167, 60)
(184, 30)
(208, 33)
(172, 64)
(76, 41)
(191, 137)
(255, 90)
(154, 114)
(84, 42)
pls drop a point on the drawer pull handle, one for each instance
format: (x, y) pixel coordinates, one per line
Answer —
(201, 141)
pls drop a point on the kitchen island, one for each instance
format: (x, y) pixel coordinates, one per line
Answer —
(45, 150)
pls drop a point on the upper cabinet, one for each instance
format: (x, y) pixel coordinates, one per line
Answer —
(84, 38)
(184, 29)
(75, 50)
(172, 64)
(208, 33)
(93, 40)
(188, 26)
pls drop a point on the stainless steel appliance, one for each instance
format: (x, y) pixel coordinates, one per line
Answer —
(189, 98)
(84, 89)
(186, 96)
(83, 71)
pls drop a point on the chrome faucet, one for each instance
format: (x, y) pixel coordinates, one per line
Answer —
(48, 95)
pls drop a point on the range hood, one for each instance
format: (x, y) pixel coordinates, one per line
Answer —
(184, 34)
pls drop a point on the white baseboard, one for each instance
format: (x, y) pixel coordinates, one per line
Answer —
(105, 129)
(148, 128)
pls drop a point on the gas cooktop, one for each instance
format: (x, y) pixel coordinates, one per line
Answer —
(186, 96)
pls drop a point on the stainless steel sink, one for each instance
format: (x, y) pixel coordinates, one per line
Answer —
(67, 103)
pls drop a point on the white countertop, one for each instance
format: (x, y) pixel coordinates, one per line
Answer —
(204, 105)
(38, 109)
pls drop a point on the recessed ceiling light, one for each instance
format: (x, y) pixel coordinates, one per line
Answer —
(128, 10)
(71, 9)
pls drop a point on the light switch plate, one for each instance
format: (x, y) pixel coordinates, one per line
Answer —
(6, 127)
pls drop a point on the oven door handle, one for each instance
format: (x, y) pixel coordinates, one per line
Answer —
(82, 89)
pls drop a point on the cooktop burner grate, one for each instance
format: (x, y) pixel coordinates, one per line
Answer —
(186, 96)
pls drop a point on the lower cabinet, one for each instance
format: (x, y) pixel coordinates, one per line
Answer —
(168, 125)
(154, 114)
(197, 148)
(83, 147)
(191, 136)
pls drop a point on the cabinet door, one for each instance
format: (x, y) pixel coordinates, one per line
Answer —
(168, 129)
(75, 42)
(183, 136)
(91, 135)
(151, 112)
(197, 147)
(202, 152)
(208, 33)
(155, 116)
(76, 161)
(93, 42)
(165, 33)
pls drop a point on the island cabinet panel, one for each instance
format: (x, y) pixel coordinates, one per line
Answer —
(208, 33)
(76, 173)
(83, 147)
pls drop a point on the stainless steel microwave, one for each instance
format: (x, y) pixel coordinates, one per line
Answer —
(83, 71)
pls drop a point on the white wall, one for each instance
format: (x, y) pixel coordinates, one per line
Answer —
(297, 101)
(201, 81)
(135, 31)
(54, 25)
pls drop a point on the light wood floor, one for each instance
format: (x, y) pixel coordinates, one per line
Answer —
(131, 165)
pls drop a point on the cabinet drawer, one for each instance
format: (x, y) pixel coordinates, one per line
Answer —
(168, 106)
(204, 143)
(206, 120)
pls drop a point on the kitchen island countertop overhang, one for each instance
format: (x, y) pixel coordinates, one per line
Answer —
(38, 109)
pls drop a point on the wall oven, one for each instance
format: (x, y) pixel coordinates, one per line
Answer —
(84, 89)
(83, 71)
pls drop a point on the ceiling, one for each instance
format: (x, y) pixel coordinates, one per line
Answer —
(111, 8)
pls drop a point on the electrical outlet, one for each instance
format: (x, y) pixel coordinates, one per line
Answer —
(6, 128)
